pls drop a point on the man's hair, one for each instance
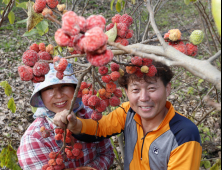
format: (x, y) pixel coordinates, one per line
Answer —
(163, 72)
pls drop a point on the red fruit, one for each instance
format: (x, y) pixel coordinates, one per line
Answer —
(94, 93)
(25, 73)
(114, 101)
(96, 116)
(68, 132)
(42, 128)
(181, 47)
(41, 68)
(50, 168)
(34, 47)
(44, 167)
(81, 155)
(122, 30)
(122, 41)
(166, 37)
(110, 87)
(52, 3)
(139, 73)
(38, 79)
(129, 34)
(39, 5)
(70, 23)
(52, 155)
(69, 153)
(42, 47)
(94, 101)
(85, 99)
(131, 69)
(192, 50)
(85, 91)
(126, 19)
(58, 137)
(101, 50)
(138, 61)
(116, 18)
(84, 85)
(114, 67)
(59, 167)
(100, 59)
(30, 57)
(103, 70)
(44, 56)
(68, 139)
(118, 93)
(75, 152)
(108, 95)
(52, 162)
(59, 75)
(59, 161)
(60, 64)
(110, 26)
(82, 24)
(102, 107)
(47, 11)
(147, 62)
(102, 92)
(94, 39)
(45, 134)
(61, 38)
(77, 146)
(115, 75)
(106, 79)
(152, 71)
(95, 21)
(107, 102)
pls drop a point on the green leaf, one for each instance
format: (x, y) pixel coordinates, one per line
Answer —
(111, 4)
(8, 158)
(200, 81)
(11, 105)
(3, 84)
(22, 5)
(42, 27)
(207, 164)
(118, 7)
(60, 49)
(75, 59)
(32, 32)
(6, 2)
(11, 17)
(2, 12)
(216, 10)
(133, 1)
(8, 90)
(123, 4)
(112, 33)
(190, 90)
(34, 109)
(187, 2)
(22, 21)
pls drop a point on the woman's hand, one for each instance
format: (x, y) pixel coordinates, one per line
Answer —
(63, 119)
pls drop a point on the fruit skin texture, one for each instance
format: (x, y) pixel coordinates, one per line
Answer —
(94, 101)
(41, 46)
(38, 79)
(147, 62)
(110, 87)
(192, 50)
(41, 68)
(30, 57)
(82, 24)
(100, 59)
(94, 39)
(115, 67)
(131, 69)
(118, 93)
(25, 73)
(102, 107)
(95, 21)
(122, 41)
(59, 75)
(115, 75)
(196, 37)
(116, 18)
(39, 5)
(52, 3)
(61, 38)
(122, 30)
(137, 61)
(47, 11)
(106, 79)
(152, 71)
(110, 26)
(145, 69)
(85, 99)
(70, 23)
(175, 35)
(96, 116)
(44, 56)
(114, 101)
(34, 47)
(129, 34)
(60, 64)
(138, 72)
(126, 19)
(103, 70)
(180, 47)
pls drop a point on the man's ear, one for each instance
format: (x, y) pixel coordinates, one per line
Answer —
(168, 89)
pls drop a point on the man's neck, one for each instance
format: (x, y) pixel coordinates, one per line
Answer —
(153, 124)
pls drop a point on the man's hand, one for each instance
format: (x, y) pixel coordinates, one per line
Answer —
(63, 118)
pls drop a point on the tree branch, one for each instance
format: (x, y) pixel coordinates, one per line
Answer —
(213, 58)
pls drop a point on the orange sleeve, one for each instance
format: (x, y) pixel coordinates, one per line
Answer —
(186, 157)
(111, 124)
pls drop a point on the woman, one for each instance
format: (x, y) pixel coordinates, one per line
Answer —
(52, 96)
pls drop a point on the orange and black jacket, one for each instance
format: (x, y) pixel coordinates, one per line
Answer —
(174, 145)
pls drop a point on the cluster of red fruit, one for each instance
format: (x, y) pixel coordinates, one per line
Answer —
(72, 152)
(174, 39)
(82, 35)
(141, 66)
(60, 65)
(35, 67)
(123, 32)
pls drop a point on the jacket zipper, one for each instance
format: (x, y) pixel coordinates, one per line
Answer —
(143, 144)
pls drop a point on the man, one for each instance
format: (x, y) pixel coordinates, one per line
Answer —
(156, 136)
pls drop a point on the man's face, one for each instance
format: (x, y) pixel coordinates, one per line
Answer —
(58, 97)
(148, 99)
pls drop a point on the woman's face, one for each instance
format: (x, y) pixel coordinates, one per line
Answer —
(58, 97)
